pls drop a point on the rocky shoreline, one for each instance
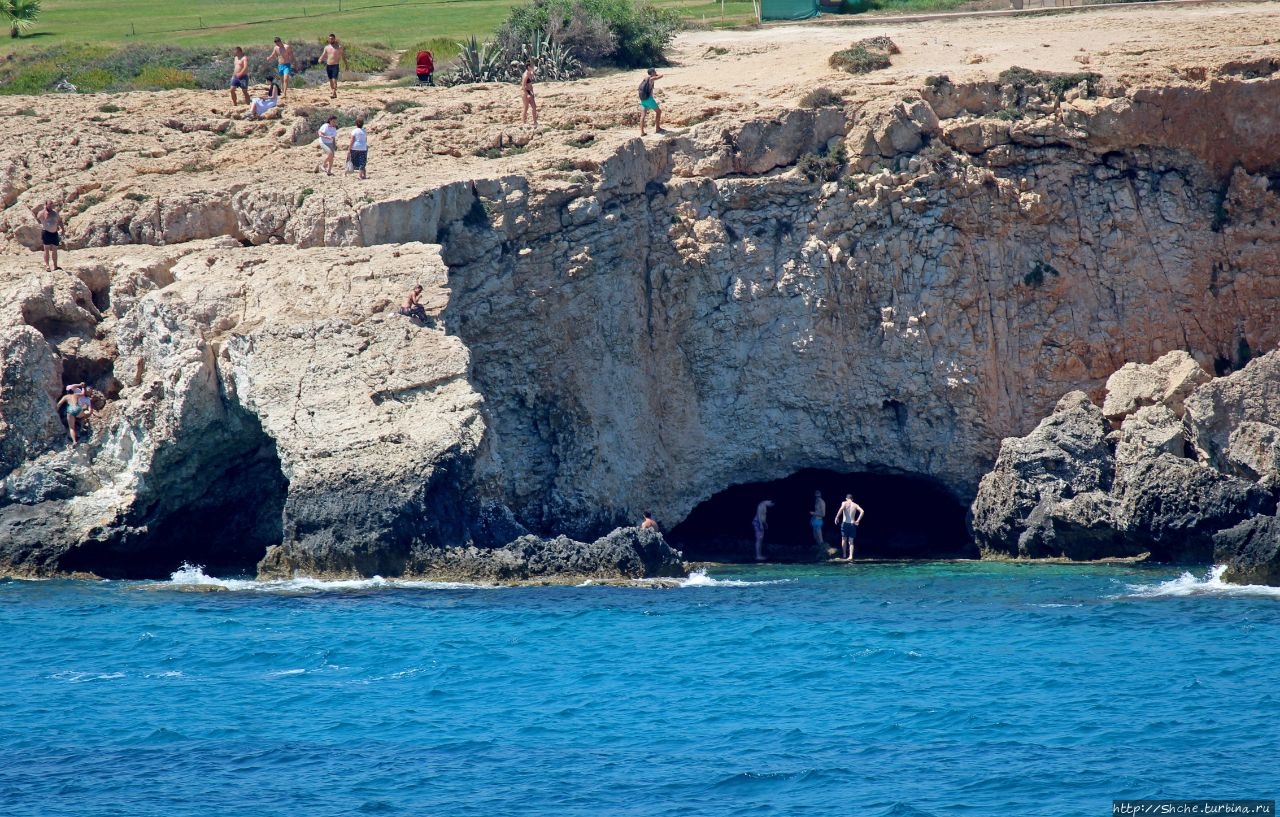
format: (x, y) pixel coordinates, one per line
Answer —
(890, 286)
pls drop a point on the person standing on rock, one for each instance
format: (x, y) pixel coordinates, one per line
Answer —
(51, 227)
(760, 523)
(526, 94)
(333, 54)
(847, 520)
(358, 149)
(650, 103)
(283, 52)
(816, 517)
(328, 134)
(240, 75)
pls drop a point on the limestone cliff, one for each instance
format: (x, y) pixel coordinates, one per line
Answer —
(644, 323)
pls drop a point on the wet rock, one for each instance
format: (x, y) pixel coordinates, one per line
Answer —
(1250, 551)
(1173, 507)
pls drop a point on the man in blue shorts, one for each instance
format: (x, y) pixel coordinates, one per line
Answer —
(283, 52)
(816, 517)
(649, 103)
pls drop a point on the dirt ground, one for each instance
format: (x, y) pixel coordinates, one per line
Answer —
(182, 141)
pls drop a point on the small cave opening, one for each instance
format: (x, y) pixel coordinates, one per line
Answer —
(225, 526)
(908, 516)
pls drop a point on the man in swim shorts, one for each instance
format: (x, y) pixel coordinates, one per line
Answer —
(240, 75)
(759, 523)
(816, 517)
(649, 103)
(283, 52)
(50, 234)
(847, 520)
(333, 54)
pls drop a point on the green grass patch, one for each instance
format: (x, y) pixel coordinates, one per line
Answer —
(443, 49)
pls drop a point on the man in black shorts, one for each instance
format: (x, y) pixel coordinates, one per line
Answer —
(240, 75)
(50, 234)
(333, 54)
(847, 520)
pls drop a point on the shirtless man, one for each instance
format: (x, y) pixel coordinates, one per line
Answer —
(333, 54)
(50, 234)
(759, 523)
(816, 517)
(847, 520)
(283, 52)
(648, 522)
(240, 75)
(412, 306)
(526, 93)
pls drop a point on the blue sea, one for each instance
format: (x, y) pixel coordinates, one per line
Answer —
(873, 689)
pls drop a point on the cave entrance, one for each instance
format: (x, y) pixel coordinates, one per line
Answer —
(907, 517)
(225, 526)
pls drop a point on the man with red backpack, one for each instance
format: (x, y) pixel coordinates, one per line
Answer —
(426, 67)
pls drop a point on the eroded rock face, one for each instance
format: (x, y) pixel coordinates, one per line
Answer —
(672, 318)
(1250, 551)
(1166, 499)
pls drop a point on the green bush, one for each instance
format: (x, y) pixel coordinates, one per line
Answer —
(597, 32)
(821, 97)
(859, 60)
(823, 166)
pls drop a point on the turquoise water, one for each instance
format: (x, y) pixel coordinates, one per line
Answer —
(889, 689)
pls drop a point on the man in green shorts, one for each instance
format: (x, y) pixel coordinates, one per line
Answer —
(648, 103)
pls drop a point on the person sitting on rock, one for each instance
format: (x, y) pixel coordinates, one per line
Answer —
(79, 404)
(648, 522)
(413, 306)
(262, 104)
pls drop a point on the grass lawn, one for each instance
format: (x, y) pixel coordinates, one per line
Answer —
(227, 23)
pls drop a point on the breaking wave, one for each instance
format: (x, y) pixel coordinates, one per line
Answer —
(1210, 585)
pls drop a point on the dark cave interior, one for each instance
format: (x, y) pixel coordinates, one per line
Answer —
(908, 516)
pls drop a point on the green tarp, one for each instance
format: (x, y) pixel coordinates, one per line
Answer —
(788, 9)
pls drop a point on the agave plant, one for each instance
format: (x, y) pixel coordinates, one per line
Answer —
(553, 60)
(477, 62)
(20, 14)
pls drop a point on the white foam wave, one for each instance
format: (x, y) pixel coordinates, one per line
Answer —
(194, 577)
(699, 578)
(1211, 585)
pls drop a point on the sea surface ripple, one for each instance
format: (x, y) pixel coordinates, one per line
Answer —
(877, 689)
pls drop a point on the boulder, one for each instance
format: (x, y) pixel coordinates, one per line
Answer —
(1250, 551)
(1066, 455)
(1168, 381)
(1173, 506)
(1217, 409)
